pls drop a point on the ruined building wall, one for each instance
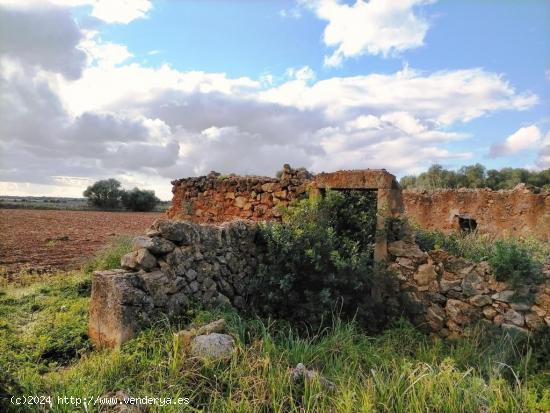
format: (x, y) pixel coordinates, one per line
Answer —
(177, 263)
(517, 212)
(216, 198)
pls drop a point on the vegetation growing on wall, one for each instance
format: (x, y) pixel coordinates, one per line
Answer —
(515, 260)
(476, 176)
(320, 260)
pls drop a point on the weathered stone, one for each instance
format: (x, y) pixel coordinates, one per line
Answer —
(156, 245)
(480, 300)
(213, 345)
(541, 312)
(425, 275)
(513, 329)
(472, 284)
(145, 260)
(505, 296)
(520, 306)
(533, 321)
(435, 316)
(119, 307)
(446, 285)
(489, 312)
(240, 202)
(406, 249)
(459, 311)
(514, 317)
(129, 261)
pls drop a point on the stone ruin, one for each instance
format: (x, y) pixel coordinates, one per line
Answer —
(208, 250)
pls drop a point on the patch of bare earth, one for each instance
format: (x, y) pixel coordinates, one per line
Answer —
(46, 240)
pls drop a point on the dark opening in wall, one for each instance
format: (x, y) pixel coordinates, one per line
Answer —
(466, 223)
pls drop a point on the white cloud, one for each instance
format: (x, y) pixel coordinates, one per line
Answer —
(443, 97)
(292, 13)
(377, 27)
(79, 110)
(523, 139)
(543, 159)
(109, 11)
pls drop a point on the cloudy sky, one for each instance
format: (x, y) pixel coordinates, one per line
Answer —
(148, 91)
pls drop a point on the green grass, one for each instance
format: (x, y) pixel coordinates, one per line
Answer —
(109, 257)
(44, 350)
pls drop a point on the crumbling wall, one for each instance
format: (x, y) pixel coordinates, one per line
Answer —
(519, 212)
(216, 198)
(175, 264)
(447, 295)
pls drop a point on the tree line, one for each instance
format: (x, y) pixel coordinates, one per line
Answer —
(108, 194)
(476, 176)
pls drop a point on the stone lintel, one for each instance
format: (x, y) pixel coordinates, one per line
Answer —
(357, 179)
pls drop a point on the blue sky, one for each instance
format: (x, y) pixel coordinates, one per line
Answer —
(147, 91)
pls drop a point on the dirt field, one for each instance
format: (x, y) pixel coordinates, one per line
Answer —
(43, 240)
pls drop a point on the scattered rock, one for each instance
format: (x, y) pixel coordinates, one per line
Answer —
(406, 249)
(214, 345)
(301, 373)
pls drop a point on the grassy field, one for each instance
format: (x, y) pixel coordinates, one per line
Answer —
(44, 350)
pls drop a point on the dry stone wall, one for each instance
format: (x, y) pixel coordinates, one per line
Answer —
(216, 198)
(175, 264)
(447, 296)
(517, 212)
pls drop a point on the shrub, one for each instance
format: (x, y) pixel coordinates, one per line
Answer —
(139, 200)
(104, 194)
(109, 257)
(514, 263)
(320, 259)
(516, 260)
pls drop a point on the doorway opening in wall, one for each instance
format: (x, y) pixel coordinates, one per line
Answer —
(466, 224)
(358, 213)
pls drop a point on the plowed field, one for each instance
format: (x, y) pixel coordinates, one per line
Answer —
(45, 240)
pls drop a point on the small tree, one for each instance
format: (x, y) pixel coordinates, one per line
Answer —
(104, 194)
(139, 200)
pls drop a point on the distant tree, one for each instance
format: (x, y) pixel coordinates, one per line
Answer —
(476, 176)
(139, 200)
(104, 194)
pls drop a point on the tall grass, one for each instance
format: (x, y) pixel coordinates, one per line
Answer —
(109, 257)
(398, 371)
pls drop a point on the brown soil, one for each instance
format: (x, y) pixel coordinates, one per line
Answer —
(46, 240)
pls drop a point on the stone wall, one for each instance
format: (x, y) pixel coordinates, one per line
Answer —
(447, 296)
(174, 264)
(216, 198)
(518, 212)
(177, 262)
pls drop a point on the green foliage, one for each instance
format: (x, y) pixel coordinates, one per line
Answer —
(109, 257)
(104, 194)
(515, 260)
(139, 200)
(514, 263)
(320, 260)
(476, 176)
(398, 371)
(472, 246)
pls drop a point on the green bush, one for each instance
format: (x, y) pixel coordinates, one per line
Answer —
(139, 200)
(109, 257)
(516, 260)
(320, 260)
(514, 263)
(104, 194)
